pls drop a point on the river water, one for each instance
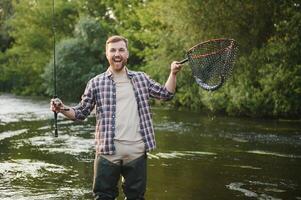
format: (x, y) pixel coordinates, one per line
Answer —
(198, 156)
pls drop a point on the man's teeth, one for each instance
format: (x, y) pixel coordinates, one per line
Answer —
(117, 60)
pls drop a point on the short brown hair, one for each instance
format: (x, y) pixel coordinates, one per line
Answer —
(117, 38)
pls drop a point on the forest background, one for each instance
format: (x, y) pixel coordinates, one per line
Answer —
(266, 80)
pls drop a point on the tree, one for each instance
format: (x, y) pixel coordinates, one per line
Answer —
(30, 27)
(78, 59)
(266, 81)
(268, 34)
(166, 28)
(6, 12)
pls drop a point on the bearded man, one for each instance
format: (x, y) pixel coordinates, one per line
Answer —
(124, 128)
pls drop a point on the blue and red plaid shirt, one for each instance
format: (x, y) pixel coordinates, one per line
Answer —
(101, 92)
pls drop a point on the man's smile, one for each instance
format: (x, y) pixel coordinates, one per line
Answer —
(117, 59)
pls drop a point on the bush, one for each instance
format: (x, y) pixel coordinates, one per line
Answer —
(78, 59)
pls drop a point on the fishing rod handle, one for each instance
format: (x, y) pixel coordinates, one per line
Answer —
(183, 61)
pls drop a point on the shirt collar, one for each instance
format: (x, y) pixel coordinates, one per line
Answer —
(130, 73)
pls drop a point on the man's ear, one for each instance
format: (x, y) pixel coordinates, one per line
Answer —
(106, 54)
(128, 54)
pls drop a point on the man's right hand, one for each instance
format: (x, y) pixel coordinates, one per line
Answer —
(56, 105)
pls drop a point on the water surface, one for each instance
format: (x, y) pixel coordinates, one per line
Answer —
(198, 156)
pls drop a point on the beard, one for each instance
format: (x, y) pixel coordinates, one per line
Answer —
(118, 63)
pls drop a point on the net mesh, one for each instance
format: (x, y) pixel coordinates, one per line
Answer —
(212, 62)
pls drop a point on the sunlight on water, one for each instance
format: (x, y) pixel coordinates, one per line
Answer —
(179, 154)
(238, 187)
(67, 144)
(17, 178)
(14, 109)
(243, 188)
(9, 134)
(243, 167)
(22, 193)
(242, 140)
(273, 154)
(25, 167)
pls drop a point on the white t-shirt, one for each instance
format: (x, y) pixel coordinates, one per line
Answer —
(128, 140)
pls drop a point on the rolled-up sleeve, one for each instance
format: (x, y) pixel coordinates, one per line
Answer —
(158, 91)
(84, 108)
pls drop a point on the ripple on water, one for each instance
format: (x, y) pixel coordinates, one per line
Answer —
(238, 187)
(243, 188)
(244, 167)
(14, 173)
(266, 153)
(265, 138)
(21, 108)
(38, 194)
(9, 134)
(67, 144)
(180, 154)
(26, 167)
(170, 126)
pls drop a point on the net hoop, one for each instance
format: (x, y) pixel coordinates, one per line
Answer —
(208, 87)
(232, 42)
(212, 62)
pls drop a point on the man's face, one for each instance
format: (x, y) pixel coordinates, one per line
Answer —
(117, 55)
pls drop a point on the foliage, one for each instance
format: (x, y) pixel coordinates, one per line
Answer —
(30, 26)
(78, 59)
(263, 67)
(266, 79)
(5, 13)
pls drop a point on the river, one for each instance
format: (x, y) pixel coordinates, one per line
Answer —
(199, 156)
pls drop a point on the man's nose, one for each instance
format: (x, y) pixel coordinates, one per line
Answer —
(117, 53)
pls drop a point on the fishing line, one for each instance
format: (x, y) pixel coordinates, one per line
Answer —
(54, 69)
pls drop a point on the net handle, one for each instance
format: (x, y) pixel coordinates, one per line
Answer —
(182, 61)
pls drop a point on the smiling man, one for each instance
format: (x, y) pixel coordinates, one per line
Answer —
(124, 128)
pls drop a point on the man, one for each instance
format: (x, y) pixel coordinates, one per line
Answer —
(124, 129)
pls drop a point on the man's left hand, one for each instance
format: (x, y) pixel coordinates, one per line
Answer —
(175, 67)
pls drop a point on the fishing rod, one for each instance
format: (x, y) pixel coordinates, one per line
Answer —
(54, 70)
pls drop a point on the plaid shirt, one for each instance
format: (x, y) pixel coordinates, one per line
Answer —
(101, 92)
